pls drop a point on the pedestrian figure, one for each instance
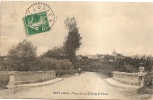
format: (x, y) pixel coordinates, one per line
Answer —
(141, 76)
(79, 71)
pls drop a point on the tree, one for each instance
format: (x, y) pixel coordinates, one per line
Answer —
(47, 64)
(22, 57)
(73, 39)
(56, 52)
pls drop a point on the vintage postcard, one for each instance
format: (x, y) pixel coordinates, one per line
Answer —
(76, 50)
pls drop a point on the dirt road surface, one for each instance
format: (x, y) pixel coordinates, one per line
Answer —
(88, 85)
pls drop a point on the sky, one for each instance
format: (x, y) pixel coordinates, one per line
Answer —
(103, 26)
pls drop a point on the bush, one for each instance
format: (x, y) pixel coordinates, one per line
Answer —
(131, 64)
(54, 64)
(105, 68)
(148, 80)
(129, 69)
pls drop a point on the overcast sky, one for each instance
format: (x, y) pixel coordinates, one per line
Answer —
(125, 27)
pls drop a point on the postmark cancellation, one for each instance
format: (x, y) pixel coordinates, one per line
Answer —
(39, 18)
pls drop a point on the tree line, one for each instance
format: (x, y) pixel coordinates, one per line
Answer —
(108, 63)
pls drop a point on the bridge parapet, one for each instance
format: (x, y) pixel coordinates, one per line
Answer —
(27, 77)
(127, 78)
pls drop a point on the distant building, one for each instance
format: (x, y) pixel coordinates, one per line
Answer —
(79, 57)
(92, 56)
(111, 60)
(82, 58)
(117, 56)
(114, 55)
(97, 56)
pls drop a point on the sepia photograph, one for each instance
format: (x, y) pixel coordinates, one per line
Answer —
(76, 50)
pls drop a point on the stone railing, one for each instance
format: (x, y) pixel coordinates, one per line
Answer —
(127, 78)
(27, 77)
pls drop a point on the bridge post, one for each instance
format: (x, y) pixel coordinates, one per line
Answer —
(11, 80)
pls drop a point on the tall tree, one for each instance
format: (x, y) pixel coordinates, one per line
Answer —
(22, 57)
(73, 39)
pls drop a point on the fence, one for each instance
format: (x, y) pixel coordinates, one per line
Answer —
(26, 77)
(127, 78)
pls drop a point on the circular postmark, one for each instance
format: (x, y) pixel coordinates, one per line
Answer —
(39, 18)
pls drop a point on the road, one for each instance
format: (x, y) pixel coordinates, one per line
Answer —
(88, 85)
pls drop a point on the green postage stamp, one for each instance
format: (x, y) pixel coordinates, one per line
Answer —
(39, 18)
(36, 23)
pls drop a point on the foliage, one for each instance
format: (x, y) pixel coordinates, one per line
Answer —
(108, 57)
(131, 64)
(73, 39)
(148, 80)
(56, 52)
(22, 57)
(97, 65)
(2, 61)
(129, 68)
(105, 68)
(54, 64)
